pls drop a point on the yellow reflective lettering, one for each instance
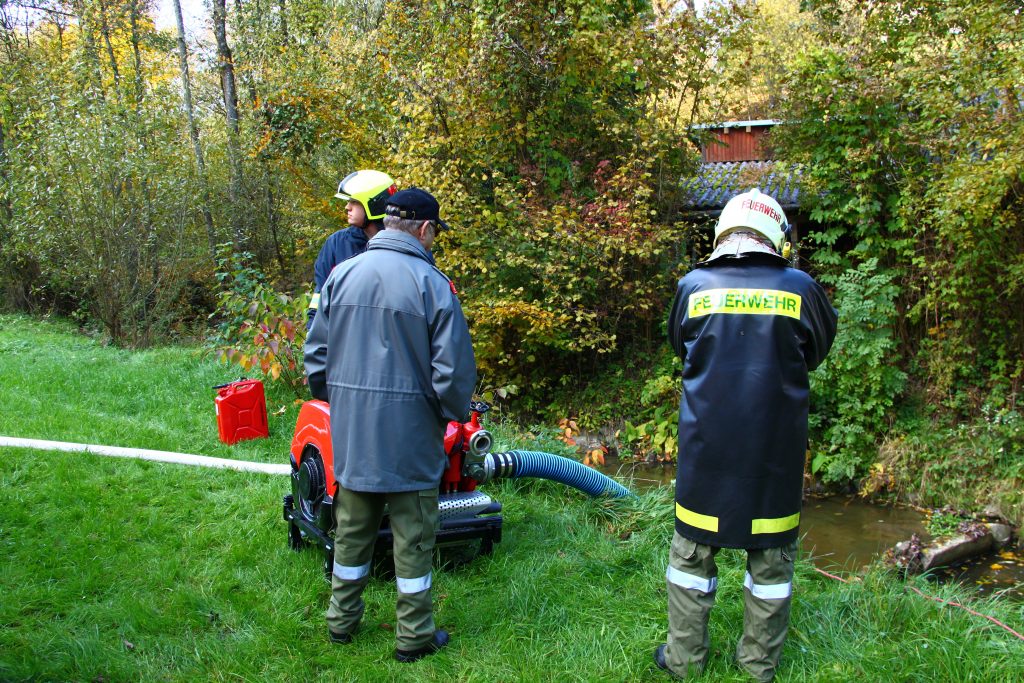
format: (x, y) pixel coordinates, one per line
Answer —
(745, 302)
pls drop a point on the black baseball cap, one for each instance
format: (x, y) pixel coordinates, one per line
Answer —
(415, 204)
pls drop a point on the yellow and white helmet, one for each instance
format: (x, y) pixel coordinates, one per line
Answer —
(372, 189)
(754, 211)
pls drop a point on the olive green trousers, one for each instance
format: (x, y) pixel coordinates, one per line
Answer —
(414, 519)
(692, 580)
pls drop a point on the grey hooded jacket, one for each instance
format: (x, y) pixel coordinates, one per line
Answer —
(390, 351)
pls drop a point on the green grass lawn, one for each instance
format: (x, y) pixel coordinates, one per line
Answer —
(124, 570)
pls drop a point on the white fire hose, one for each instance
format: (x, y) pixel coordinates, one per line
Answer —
(147, 454)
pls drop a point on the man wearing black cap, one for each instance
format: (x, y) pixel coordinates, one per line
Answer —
(390, 351)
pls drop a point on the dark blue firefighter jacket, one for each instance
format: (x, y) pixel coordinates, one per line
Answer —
(341, 246)
(748, 328)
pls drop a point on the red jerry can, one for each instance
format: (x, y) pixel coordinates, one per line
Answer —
(241, 411)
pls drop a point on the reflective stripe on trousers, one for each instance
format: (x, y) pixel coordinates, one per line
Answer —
(409, 586)
(691, 581)
(351, 573)
(768, 591)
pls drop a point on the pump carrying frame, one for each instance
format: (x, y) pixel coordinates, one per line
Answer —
(464, 518)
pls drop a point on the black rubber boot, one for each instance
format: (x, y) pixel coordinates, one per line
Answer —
(339, 638)
(439, 640)
(659, 660)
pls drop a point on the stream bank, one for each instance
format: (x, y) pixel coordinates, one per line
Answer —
(841, 533)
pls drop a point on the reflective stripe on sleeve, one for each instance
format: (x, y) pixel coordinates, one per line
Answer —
(776, 525)
(695, 519)
(408, 586)
(314, 301)
(767, 591)
(691, 581)
(351, 573)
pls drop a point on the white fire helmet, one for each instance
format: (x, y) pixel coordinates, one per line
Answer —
(754, 211)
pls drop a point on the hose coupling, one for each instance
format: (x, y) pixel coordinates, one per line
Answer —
(480, 443)
(477, 463)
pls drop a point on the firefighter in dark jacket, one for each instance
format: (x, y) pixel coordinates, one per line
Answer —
(748, 328)
(390, 351)
(366, 193)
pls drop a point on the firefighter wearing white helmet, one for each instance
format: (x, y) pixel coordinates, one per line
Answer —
(748, 328)
(366, 194)
(756, 212)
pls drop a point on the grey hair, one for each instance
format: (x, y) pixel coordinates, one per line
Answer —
(409, 225)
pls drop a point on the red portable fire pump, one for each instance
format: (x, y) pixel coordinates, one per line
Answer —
(465, 513)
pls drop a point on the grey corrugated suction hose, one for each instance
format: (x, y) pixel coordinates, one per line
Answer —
(516, 464)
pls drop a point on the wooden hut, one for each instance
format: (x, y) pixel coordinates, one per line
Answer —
(736, 158)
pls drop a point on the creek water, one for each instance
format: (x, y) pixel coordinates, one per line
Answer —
(847, 534)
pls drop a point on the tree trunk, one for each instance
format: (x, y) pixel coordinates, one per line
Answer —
(8, 210)
(270, 202)
(272, 217)
(282, 13)
(140, 81)
(8, 33)
(227, 81)
(105, 32)
(92, 57)
(193, 130)
(151, 242)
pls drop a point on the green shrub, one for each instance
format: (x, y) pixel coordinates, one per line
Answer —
(260, 328)
(655, 434)
(856, 386)
(556, 149)
(923, 173)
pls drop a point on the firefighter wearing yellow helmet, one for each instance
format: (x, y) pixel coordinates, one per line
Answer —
(367, 193)
(748, 328)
